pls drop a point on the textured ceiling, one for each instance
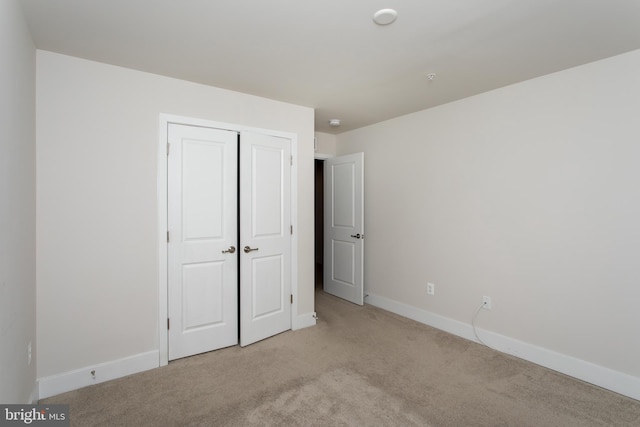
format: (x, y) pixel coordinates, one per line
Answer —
(331, 56)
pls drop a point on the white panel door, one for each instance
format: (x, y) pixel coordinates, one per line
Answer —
(202, 248)
(265, 236)
(344, 227)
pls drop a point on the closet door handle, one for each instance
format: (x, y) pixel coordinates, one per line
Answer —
(248, 249)
(231, 250)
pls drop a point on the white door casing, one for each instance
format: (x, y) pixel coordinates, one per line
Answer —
(265, 236)
(344, 227)
(202, 224)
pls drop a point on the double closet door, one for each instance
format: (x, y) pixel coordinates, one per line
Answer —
(229, 250)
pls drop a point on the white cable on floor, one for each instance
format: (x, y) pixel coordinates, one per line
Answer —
(473, 325)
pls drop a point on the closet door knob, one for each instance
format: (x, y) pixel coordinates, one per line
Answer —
(231, 250)
(248, 249)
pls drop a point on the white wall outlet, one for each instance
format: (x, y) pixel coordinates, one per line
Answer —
(486, 303)
(29, 353)
(431, 288)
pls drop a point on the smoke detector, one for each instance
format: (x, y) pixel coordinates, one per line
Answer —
(385, 16)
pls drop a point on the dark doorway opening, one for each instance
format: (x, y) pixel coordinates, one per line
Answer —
(319, 221)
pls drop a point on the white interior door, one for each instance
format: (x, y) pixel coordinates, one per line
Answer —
(344, 227)
(202, 248)
(265, 236)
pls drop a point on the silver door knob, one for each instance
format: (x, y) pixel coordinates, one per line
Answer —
(357, 236)
(231, 250)
(248, 249)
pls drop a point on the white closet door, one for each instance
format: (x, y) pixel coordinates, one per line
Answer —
(265, 236)
(203, 247)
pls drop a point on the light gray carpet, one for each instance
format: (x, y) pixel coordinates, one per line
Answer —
(359, 366)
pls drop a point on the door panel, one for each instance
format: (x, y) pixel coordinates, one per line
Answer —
(202, 222)
(265, 221)
(203, 176)
(267, 201)
(344, 227)
(268, 292)
(344, 262)
(202, 297)
(343, 213)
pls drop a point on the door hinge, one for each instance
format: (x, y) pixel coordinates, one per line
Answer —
(167, 148)
(168, 324)
(291, 157)
(292, 230)
(291, 298)
(167, 236)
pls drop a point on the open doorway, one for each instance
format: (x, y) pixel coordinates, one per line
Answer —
(339, 226)
(319, 222)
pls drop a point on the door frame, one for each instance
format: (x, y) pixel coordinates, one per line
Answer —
(163, 204)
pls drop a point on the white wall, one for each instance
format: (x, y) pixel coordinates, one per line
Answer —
(17, 207)
(97, 209)
(325, 144)
(529, 194)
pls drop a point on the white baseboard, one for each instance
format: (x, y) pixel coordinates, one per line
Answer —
(304, 321)
(601, 376)
(61, 383)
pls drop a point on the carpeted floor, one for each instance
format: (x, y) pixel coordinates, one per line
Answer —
(359, 366)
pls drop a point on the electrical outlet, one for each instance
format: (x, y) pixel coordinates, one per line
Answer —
(29, 353)
(486, 303)
(431, 288)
